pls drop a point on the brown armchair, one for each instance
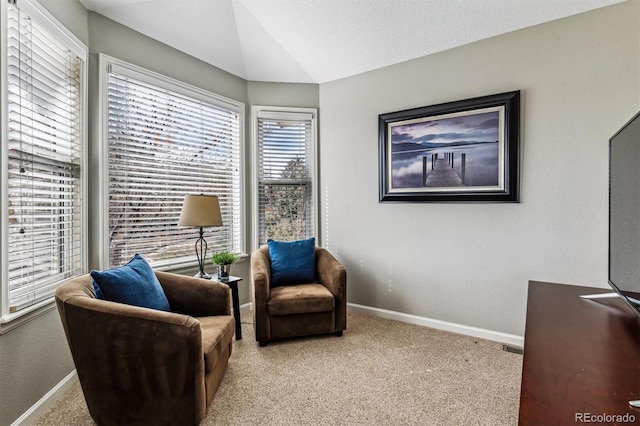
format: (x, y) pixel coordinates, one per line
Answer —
(302, 309)
(144, 366)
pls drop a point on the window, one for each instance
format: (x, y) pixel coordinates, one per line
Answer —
(166, 139)
(285, 170)
(43, 158)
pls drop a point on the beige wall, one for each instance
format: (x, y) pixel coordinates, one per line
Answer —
(470, 263)
(33, 359)
(299, 95)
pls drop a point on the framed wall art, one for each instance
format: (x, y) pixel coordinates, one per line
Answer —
(465, 150)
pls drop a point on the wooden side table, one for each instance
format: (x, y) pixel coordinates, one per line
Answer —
(232, 282)
(581, 358)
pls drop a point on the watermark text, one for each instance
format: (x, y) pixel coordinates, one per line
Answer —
(604, 418)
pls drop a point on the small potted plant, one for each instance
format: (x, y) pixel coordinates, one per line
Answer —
(223, 261)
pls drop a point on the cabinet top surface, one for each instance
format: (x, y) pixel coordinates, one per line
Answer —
(580, 356)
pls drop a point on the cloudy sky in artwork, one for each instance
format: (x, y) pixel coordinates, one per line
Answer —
(481, 127)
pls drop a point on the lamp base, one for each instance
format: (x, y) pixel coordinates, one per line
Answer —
(201, 253)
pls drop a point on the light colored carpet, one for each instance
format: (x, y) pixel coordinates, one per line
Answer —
(380, 372)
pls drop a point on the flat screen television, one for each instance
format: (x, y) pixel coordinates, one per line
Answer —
(624, 212)
(624, 215)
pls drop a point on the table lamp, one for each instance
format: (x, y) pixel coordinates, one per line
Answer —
(200, 210)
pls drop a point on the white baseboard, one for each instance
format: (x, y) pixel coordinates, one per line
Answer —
(32, 415)
(510, 339)
(496, 336)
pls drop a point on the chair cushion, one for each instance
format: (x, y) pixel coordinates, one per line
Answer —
(133, 284)
(217, 332)
(292, 262)
(300, 299)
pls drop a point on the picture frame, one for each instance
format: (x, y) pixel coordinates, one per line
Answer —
(461, 151)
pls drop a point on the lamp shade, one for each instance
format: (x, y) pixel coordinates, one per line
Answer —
(200, 210)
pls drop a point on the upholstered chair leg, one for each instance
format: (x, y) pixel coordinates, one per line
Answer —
(339, 333)
(263, 344)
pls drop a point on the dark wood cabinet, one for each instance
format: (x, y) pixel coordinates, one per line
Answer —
(581, 358)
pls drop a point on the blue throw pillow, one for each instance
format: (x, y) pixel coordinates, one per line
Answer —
(97, 290)
(133, 284)
(292, 262)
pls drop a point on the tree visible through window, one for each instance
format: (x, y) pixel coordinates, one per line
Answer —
(286, 170)
(164, 144)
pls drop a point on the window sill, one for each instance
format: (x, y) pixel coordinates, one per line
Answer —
(11, 321)
(188, 264)
(191, 267)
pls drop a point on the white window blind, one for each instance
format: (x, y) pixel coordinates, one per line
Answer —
(286, 175)
(44, 160)
(163, 145)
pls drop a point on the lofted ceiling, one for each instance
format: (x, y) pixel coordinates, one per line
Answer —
(315, 41)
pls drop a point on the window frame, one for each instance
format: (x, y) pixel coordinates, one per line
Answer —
(255, 172)
(10, 320)
(105, 64)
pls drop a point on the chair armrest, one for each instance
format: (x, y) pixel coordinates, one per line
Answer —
(334, 277)
(331, 273)
(261, 278)
(195, 296)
